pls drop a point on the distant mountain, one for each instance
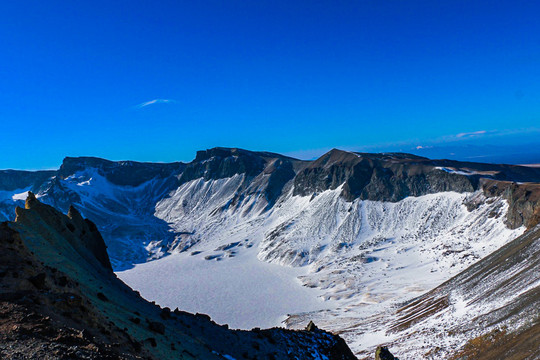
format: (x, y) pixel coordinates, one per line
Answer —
(363, 232)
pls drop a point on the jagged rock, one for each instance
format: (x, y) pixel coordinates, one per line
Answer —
(83, 234)
(311, 326)
(382, 353)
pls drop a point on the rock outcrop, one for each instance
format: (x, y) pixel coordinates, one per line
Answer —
(394, 176)
(382, 353)
(523, 200)
(82, 234)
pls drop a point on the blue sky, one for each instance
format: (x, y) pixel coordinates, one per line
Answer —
(158, 80)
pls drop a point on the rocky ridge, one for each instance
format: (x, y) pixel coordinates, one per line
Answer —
(111, 192)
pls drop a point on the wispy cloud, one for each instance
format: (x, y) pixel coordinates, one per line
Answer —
(155, 101)
(471, 134)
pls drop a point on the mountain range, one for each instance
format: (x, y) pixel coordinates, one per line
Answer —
(387, 248)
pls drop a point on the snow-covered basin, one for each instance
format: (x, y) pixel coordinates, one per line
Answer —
(242, 292)
(316, 258)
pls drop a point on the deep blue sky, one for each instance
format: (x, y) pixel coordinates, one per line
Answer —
(295, 77)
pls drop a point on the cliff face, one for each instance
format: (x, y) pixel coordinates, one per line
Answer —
(262, 171)
(523, 200)
(394, 176)
(59, 298)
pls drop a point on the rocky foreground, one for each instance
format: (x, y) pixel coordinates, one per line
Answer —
(59, 299)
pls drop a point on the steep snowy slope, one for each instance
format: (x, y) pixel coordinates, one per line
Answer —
(495, 302)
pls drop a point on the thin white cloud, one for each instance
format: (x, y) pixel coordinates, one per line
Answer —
(155, 101)
(471, 134)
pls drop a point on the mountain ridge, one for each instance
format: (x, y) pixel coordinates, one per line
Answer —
(378, 177)
(231, 213)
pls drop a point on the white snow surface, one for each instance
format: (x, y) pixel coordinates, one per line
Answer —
(242, 292)
(242, 265)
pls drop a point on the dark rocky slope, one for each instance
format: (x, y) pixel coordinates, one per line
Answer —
(524, 201)
(394, 176)
(19, 179)
(129, 173)
(60, 299)
(502, 293)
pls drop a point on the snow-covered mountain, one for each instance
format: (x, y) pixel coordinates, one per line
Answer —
(236, 233)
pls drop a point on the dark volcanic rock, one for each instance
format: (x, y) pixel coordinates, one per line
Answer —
(523, 201)
(387, 177)
(394, 176)
(382, 353)
(218, 163)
